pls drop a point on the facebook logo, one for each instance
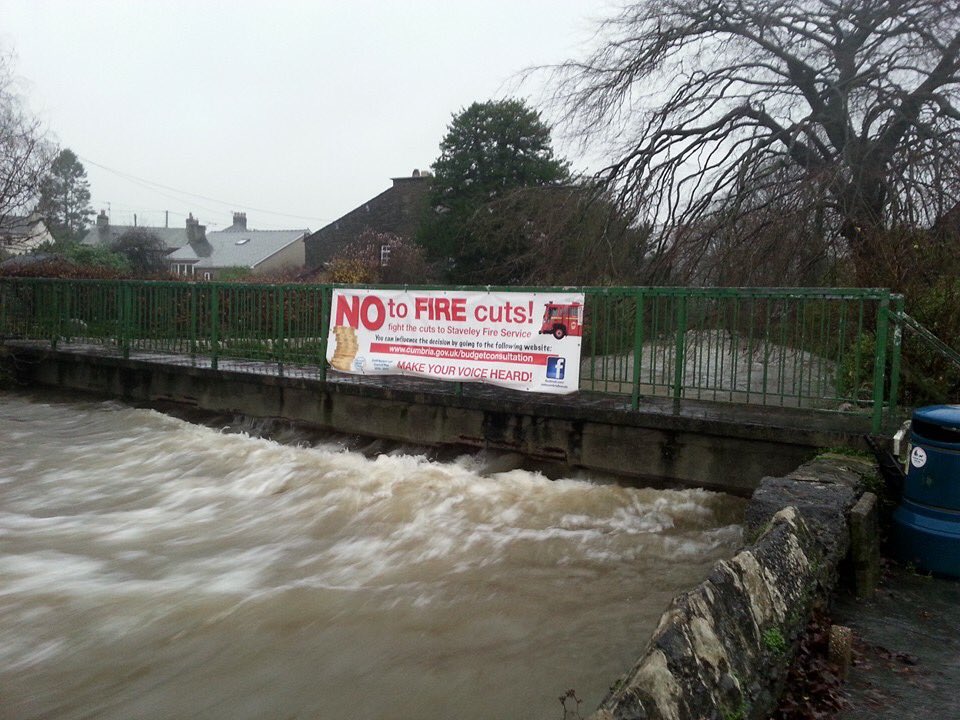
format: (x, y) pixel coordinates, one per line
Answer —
(555, 367)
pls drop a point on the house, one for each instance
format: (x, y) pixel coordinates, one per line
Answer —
(173, 238)
(261, 251)
(399, 210)
(21, 234)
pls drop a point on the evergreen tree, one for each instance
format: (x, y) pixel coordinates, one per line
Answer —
(490, 149)
(65, 197)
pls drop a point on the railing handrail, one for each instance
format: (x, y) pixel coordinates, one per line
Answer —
(662, 290)
(932, 341)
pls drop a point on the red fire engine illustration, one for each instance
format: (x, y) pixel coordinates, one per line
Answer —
(561, 320)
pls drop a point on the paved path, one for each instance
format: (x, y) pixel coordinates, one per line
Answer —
(906, 649)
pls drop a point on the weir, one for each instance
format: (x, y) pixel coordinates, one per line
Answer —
(714, 388)
(698, 446)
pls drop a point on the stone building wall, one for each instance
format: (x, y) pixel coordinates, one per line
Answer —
(398, 210)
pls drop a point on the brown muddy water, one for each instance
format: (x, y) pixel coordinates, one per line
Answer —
(155, 568)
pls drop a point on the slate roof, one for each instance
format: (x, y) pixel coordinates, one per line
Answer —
(172, 238)
(21, 234)
(20, 226)
(233, 248)
(22, 261)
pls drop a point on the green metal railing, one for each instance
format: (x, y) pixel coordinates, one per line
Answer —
(828, 349)
(931, 367)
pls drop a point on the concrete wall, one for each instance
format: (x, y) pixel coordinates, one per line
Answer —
(711, 453)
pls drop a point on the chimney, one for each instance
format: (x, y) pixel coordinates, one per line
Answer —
(196, 232)
(239, 222)
(416, 174)
(102, 219)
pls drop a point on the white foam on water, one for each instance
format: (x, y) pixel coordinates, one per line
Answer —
(167, 567)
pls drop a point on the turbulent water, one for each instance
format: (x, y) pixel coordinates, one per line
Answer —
(156, 568)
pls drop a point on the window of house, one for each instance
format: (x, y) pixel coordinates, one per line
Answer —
(384, 255)
(208, 276)
(182, 269)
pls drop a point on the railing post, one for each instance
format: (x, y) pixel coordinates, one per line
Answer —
(679, 357)
(637, 347)
(880, 363)
(193, 321)
(67, 312)
(5, 300)
(55, 319)
(326, 302)
(280, 295)
(126, 314)
(895, 359)
(214, 325)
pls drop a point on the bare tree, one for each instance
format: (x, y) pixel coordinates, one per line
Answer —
(25, 155)
(558, 235)
(722, 110)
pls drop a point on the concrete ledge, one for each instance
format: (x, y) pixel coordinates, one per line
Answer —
(723, 649)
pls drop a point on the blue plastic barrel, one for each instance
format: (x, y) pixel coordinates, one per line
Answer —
(926, 525)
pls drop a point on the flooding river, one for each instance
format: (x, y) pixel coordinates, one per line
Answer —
(155, 568)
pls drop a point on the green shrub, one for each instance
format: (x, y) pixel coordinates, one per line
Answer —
(774, 641)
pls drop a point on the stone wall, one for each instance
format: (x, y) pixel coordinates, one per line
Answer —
(722, 650)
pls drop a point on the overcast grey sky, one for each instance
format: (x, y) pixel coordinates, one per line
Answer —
(300, 108)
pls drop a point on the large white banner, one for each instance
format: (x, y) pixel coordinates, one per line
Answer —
(526, 341)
